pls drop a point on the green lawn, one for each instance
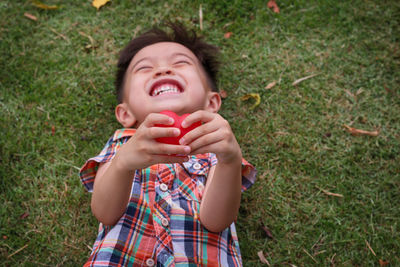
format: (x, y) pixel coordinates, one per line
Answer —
(57, 101)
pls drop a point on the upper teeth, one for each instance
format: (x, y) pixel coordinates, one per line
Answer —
(165, 89)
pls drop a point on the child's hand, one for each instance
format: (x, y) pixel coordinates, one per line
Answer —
(214, 135)
(142, 150)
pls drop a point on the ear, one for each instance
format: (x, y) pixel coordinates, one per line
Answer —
(124, 115)
(213, 102)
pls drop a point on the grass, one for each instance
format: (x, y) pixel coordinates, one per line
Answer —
(56, 96)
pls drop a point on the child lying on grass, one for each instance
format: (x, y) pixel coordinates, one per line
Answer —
(166, 204)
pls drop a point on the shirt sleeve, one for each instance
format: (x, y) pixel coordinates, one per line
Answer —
(249, 172)
(89, 169)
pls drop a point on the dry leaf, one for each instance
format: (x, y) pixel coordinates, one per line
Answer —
(252, 95)
(24, 215)
(43, 6)
(262, 258)
(223, 93)
(228, 35)
(357, 132)
(267, 232)
(272, 4)
(270, 85)
(53, 130)
(296, 82)
(30, 16)
(99, 3)
(383, 263)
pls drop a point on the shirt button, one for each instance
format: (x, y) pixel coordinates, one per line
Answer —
(150, 262)
(164, 187)
(197, 166)
(164, 222)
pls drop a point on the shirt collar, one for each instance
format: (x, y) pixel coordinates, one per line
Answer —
(124, 132)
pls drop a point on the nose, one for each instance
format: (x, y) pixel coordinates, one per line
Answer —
(163, 71)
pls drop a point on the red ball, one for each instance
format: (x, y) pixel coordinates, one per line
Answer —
(177, 124)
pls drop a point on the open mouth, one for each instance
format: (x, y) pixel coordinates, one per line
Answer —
(163, 87)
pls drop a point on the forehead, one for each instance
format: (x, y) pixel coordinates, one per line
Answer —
(163, 49)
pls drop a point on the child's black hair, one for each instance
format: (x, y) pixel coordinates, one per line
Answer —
(206, 53)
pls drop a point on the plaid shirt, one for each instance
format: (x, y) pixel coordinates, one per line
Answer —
(161, 224)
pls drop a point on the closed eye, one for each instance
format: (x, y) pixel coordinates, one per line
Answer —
(182, 62)
(145, 67)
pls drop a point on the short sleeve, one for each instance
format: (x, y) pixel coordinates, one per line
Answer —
(89, 169)
(249, 172)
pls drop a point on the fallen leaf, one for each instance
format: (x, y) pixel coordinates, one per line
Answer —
(53, 130)
(92, 43)
(99, 3)
(43, 6)
(270, 85)
(24, 215)
(223, 93)
(272, 4)
(227, 35)
(357, 132)
(262, 258)
(252, 95)
(296, 82)
(267, 232)
(5, 237)
(383, 263)
(30, 16)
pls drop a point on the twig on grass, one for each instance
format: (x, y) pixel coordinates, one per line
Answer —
(373, 252)
(59, 34)
(310, 256)
(296, 82)
(332, 260)
(201, 17)
(17, 251)
(326, 192)
(356, 132)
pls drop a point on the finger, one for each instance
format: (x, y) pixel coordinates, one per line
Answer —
(201, 115)
(156, 118)
(207, 140)
(204, 129)
(157, 132)
(167, 149)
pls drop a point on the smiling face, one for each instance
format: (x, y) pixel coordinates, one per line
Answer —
(164, 76)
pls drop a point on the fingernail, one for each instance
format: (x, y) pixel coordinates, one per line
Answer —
(182, 141)
(187, 149)
(171, 120)
(177, 132)
(183, 124)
